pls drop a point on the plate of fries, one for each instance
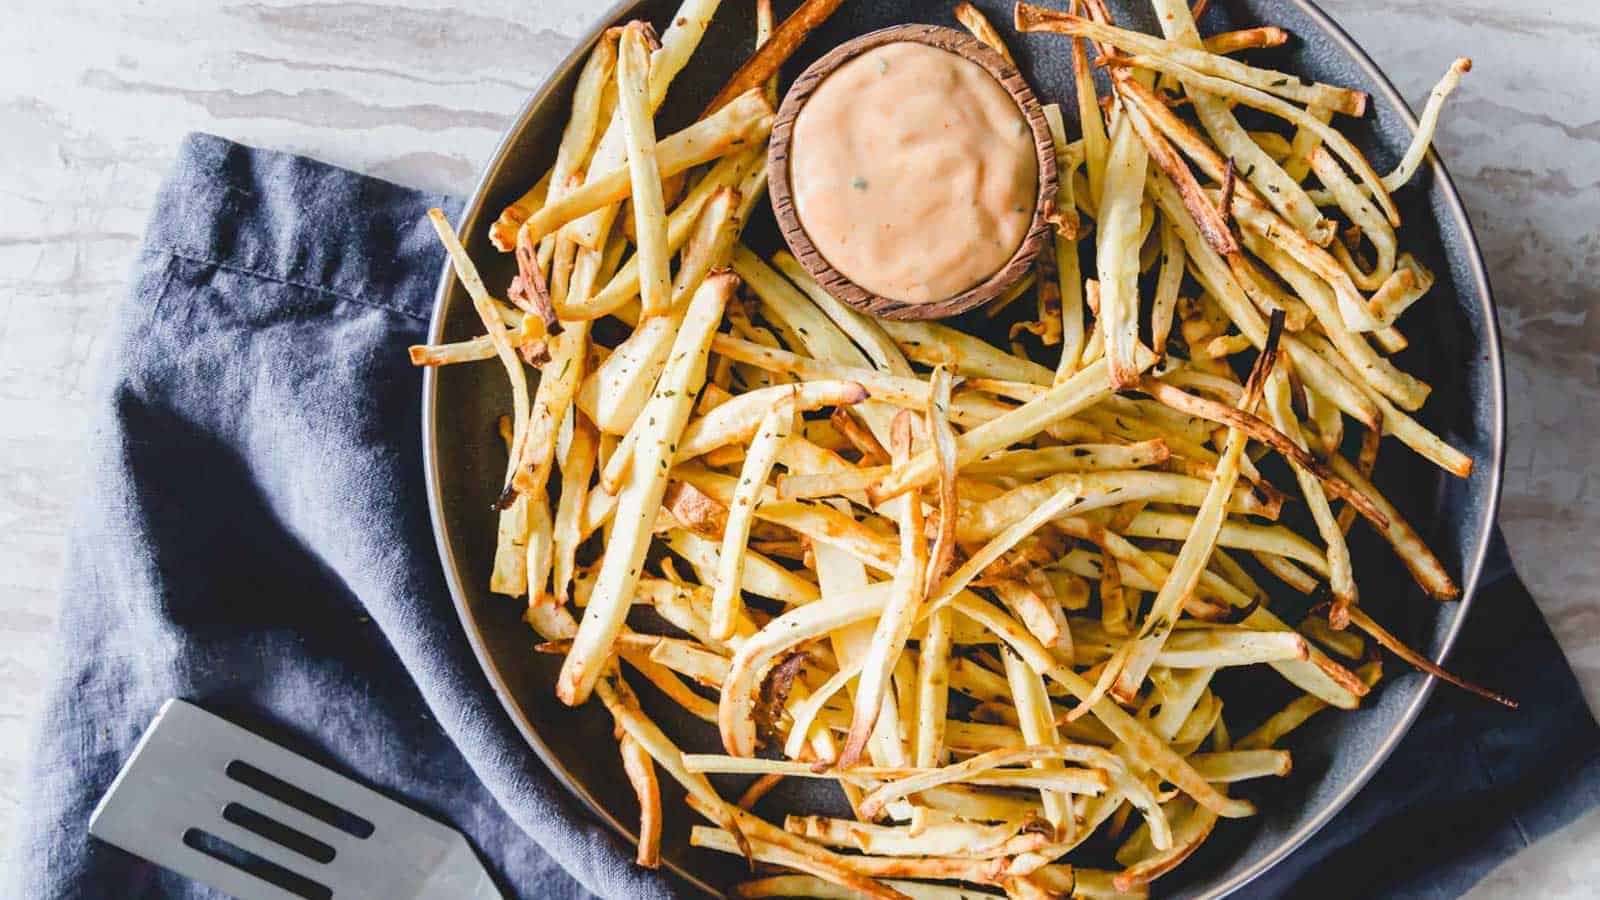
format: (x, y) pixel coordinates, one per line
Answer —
(1120, 585)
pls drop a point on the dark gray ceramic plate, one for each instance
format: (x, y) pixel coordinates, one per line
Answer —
(1455, 345)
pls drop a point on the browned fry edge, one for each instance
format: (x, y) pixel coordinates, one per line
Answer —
(1262, 431)
(1394, 645)
(771, 56)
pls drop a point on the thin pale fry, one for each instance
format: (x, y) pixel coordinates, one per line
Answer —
(775, 429)
(642, 773)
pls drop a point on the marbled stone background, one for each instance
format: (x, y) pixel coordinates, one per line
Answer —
(94, 96)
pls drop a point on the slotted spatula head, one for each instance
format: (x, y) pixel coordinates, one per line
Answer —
(212, 801)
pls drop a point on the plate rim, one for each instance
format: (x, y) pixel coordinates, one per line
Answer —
(1483, 294)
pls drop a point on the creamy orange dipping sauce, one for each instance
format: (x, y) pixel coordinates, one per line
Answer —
(914, 172)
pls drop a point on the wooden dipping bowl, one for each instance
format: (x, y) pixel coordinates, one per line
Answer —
(831, 279)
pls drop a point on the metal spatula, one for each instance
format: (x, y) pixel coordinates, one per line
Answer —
(208, 799)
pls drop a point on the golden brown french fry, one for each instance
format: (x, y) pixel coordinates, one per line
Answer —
(843, 870)
(641, 496)
(626, 377)
(932, 344)
(1194, 825)
(1088, 387)
(1234, 534)
(1096, 143)
(509, 575)
(811, 886)
(894, 625)
(1246, 39)
(777, 49)
(1362, 214)
(1168, 282)
(1428, 123)
(1344, 100)
(760, 575)
(737, 125)
(776, 427)
(969, 840)
(577, 468)
(974, 21)
(1361, 620)
(868, 333)
(730, 171)
(820, 523)
(1259, 430)
(1037, 722)
(757, 654)
(1117, 251)
(642, 774)
(551, 401)
(738, 419)
(1096, 490)
(1296, 713)
(1210, 219)
(644, 172)
(908, 392)
(676, 46)
(1395, 421)
(620, 701)
(1068, 287)
(593, 100)
(967, 770)
(1341, 573)
(503, 233)
(989, 872)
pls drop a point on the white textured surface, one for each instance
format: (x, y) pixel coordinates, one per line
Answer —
(94, 97)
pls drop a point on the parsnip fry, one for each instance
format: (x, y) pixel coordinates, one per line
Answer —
(1168, 282)
(1117, 251)
(1394, 645)
(1341, 573)
(894, 626)
(642, 773)
(676, 46)
(1412, 550)
(777, 49)
(776, 427)
(1096, 143)
(973, 19)
(1259, 430)
(1350, 102)
(1086, 388)
(639, 132)
(641, 496)
(1038, 727)
(983, 763)
(737, 125)
(577, 468)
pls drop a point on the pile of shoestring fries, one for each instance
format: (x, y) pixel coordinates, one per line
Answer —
(983, 589)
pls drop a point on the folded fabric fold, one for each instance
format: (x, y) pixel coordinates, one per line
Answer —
(252, 535)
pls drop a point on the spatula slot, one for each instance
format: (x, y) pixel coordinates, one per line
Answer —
(245, 861)
(277, 832)
(311, 805)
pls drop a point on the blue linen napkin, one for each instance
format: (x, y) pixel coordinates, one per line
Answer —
(252, 535)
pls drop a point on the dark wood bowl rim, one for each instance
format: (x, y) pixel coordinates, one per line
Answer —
(794, 232)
